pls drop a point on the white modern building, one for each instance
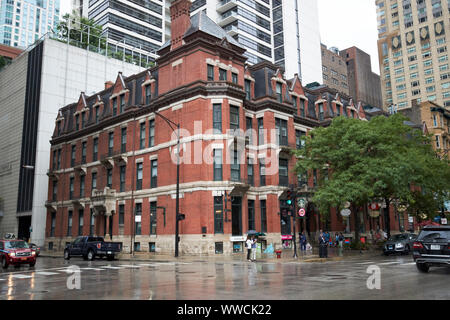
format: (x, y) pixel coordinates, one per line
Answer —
(33, 88)
(134, 27)
(285, 32)
(22, 22)
(81, 7)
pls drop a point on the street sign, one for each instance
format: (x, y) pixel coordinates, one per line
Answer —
(301, 202)
(301, 212)
(444, 221)
(345, 212)
(137, 218)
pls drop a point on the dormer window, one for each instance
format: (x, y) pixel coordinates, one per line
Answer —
(321, 112)
(222, 75)
(338, 110)
(122, 103)
(97, 109)
(83, 122)
(353, 113)
(114, 106)
(247, 86)
(77, 124)
(210, 72)
(302, 108)
(294, 101)
(148, 93)
(279, 87)
(58, 126)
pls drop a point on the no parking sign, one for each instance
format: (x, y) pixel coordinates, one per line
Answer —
(301, 212)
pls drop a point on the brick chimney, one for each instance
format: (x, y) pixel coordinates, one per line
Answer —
(181, 21)
(108, 84)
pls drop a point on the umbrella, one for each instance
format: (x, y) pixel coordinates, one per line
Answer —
(252, 232)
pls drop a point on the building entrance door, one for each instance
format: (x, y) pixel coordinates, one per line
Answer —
(24, 228)
(236, 216)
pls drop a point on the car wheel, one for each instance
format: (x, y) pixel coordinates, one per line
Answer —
(32, 264)
(90, 255)
(110, 257)
(423, 267)
(4, 263)
(386, 253)
(66, 255)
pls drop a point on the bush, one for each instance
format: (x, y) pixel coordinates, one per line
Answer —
(357, 245)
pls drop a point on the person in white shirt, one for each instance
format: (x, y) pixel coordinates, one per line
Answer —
(249, 243)
(254, 249)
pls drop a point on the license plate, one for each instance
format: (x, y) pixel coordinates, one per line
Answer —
(23, 259)
(435, 247)
(109, 252)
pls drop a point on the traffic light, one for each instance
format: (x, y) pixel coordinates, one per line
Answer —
(289, 197)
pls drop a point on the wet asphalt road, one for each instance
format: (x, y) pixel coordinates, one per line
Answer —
(203, 279)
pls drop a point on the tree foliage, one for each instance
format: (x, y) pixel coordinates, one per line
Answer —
(383, 159)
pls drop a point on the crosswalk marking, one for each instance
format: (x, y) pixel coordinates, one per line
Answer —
(111, 267)
(94, 269)
(408, 264)
(21, 276)
(129, 266)
(68, 270)
(388, 263)
(43, 273)
(369, 262)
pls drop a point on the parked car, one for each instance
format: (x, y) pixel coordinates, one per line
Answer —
(432, 247)
(36, 249)
(402, 243)
(90, 247)
(16, 252)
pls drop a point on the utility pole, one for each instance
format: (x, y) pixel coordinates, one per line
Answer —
(177, 205)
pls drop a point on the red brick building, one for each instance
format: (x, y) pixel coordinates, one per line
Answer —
(113, 161)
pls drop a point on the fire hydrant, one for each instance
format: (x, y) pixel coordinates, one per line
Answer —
(278, 252)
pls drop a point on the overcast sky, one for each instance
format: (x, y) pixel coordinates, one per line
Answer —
(343, 24)
(348, 23)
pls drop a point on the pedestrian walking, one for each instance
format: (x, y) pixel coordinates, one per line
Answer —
(322, 245)
(302, 242)
(254, 249)
(248, 244)
(341, 240)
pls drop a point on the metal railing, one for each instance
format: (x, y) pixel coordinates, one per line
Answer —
(85, 37)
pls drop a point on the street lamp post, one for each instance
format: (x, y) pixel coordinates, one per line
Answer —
(177, 205)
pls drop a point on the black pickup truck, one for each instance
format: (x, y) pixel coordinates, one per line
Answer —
(90, 247)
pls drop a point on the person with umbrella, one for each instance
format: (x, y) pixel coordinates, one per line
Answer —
(248, 244)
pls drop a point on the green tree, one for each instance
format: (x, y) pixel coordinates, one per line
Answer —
(2, 62)
(81, 32)
(367, 161)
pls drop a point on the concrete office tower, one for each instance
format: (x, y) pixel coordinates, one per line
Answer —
(283, 32)
(135, 27)
(364, 85)
(413, 40)
(32, 90)
(81, 7)
(22, 22)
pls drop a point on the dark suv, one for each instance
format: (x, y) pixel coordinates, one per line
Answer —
(432, 247)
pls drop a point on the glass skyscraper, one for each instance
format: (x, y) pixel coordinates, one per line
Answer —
(22, 22)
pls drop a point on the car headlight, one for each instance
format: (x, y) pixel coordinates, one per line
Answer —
(33, 253)
(12, 254)
(399, 245)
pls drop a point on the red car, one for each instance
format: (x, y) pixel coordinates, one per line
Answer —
(16, 252)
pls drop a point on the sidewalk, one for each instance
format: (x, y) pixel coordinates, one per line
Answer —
(334, 254)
